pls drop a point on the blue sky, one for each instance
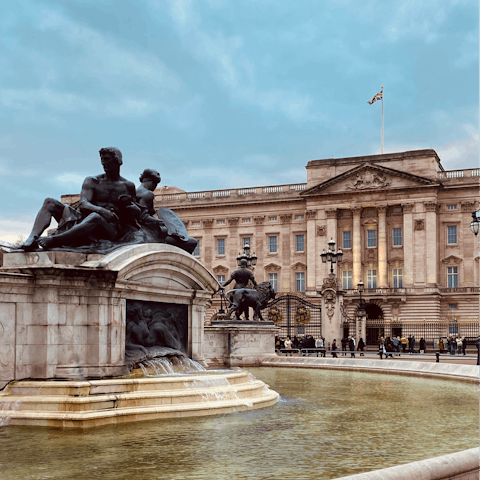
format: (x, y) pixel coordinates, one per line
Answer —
(225, 94)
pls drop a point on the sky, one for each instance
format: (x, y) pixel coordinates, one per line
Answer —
(218, 94)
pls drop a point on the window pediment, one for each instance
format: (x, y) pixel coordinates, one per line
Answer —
(452, 260)
(272, 267)
(299, 266)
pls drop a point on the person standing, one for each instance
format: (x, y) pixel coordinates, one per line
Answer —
(361, 347)
(334, 347)
(351, 346)
(423, 344)
(404, 341)
(288, 346)
(464, 345)
(344, 343)
(459, 345)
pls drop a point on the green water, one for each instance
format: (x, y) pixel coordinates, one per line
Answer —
(327, 424)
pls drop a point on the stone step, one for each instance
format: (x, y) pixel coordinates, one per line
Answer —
(59, 403)
(117, 386)
(98, 418)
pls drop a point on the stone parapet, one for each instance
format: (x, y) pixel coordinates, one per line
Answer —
(455, 466)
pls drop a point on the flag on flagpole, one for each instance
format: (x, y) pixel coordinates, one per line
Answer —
(378, 96)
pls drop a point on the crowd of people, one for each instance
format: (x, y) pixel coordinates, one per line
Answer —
(388, 346)
(452, 344)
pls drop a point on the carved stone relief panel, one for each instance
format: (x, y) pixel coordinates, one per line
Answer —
(156, 324)
(321, 230)
(369, 179)
(419, 224)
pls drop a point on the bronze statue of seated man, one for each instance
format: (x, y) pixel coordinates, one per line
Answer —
(105, 210)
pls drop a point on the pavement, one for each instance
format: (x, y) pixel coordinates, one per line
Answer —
(468, 359)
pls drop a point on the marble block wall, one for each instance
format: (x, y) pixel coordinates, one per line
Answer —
(233, 344)
(68, 320)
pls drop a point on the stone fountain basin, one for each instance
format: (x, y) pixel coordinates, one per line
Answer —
(85, 404)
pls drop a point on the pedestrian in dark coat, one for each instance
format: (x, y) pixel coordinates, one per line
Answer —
(361, 347)
(344, 343)
(334, 347)
(423, 345)
(351, 346)
(464, 345)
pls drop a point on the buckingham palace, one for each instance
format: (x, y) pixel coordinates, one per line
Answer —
(400, 219)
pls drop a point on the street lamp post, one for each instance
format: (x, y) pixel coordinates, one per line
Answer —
(361, 309)
(331, 255)
(475, 227)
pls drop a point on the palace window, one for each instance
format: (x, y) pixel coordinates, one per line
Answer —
(452, 234)
(397, 237)
(246, 220)
(272, 244)
(195, 224)
(196, 252)
(220, 279)
(300, 281)
(299, 217)
(347, 276)
(300, 243)
(220, 246)
(371, 279)
(451, 207)
(397, 275)
(272, 219)
(371, 238)
(453, 306)
(246, 241)
(452, 277)
(273, 279)
(347, 240)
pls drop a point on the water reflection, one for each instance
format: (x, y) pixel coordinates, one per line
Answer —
(327, 424)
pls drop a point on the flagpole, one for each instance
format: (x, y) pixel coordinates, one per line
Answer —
(383, 96)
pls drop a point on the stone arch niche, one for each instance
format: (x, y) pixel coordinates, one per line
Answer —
(161, 277)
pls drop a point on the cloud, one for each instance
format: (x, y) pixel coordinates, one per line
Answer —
(88, 72)
(70, 180)
(463, 153)
(232, 67)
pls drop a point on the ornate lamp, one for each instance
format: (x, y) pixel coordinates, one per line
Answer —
(475, 225)
(331, 255)
(251, 259)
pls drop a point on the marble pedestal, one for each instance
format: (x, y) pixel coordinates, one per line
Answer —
(67, 320)
(233, 343)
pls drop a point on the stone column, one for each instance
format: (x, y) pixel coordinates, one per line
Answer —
(382, 247)
(288, 283)
(357, 246)
(408, 244)
(260, 247)
(431, 242)
(331, 314)
(361, 331)
(209, 247)
(311, 252)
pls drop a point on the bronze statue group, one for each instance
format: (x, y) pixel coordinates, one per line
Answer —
(109, 214)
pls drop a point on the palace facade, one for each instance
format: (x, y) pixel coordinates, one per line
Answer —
(401, 220)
